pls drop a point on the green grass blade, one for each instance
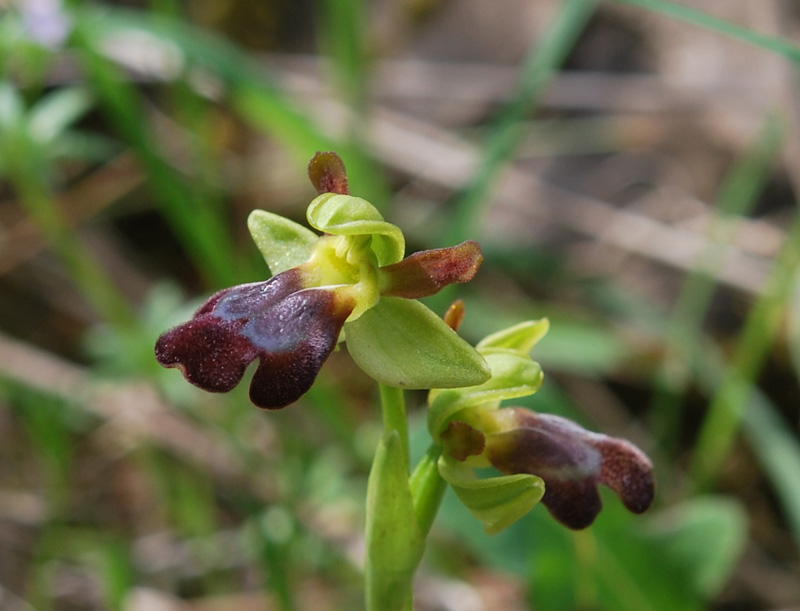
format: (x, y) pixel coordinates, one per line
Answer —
(773, 442)
(738, 194)
(779, 452)
(95, 283)
(249, 89)
(342, 33)
(202, 232)
(507, 134)
(783, 46)
(724, 417)
(54, 113)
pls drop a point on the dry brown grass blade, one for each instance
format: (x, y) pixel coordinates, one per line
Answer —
(524, 199)
(21, 240)
(134, 410)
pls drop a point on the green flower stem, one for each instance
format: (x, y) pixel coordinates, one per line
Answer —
(427, 489)
(387, 565)
(393, 540)
(393, 559)
(393, 403)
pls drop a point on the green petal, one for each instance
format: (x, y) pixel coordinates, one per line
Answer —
(513, 376)
(283, 243)
(498, 502)
(402, 343)
(520, 338)
(347, 215)
(394, 541)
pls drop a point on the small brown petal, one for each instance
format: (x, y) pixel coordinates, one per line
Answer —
(462, 441)
(455, 315)
(427, 272)
(328, 174)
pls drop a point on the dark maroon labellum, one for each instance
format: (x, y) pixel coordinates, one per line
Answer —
(291, 330)
(573, 462)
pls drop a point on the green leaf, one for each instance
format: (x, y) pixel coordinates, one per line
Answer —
(394, 542)
(513, 376)
(499, 501)
(347, 215)
(283, 243)
(778, 450)
(520, 338)
(58, 110)
(402, 343)
(11, 107)
(704, 537)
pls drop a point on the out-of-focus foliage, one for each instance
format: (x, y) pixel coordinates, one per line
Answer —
(630, 171)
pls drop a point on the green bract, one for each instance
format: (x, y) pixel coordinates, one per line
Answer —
(513, 376)
(402, 343)
(394, 541)
(521, 338)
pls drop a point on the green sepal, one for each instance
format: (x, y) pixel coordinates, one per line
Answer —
(347, 215)
(283, 243)
(497, 502)
(513, 376)
(393, 538)
(520, 338)
(402, 343)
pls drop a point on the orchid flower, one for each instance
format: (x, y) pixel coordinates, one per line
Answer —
(350, 282)
(542, 457)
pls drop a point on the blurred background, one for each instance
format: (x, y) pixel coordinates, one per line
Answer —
(630, 168)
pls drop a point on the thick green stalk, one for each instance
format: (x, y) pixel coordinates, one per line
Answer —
(400, 511)
(393, 538)
(393, 404)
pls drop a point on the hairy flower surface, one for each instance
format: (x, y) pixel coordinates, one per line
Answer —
(570, 460)
(353, 276)
(291, 330)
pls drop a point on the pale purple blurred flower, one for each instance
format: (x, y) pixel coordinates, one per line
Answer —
(45, 21)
